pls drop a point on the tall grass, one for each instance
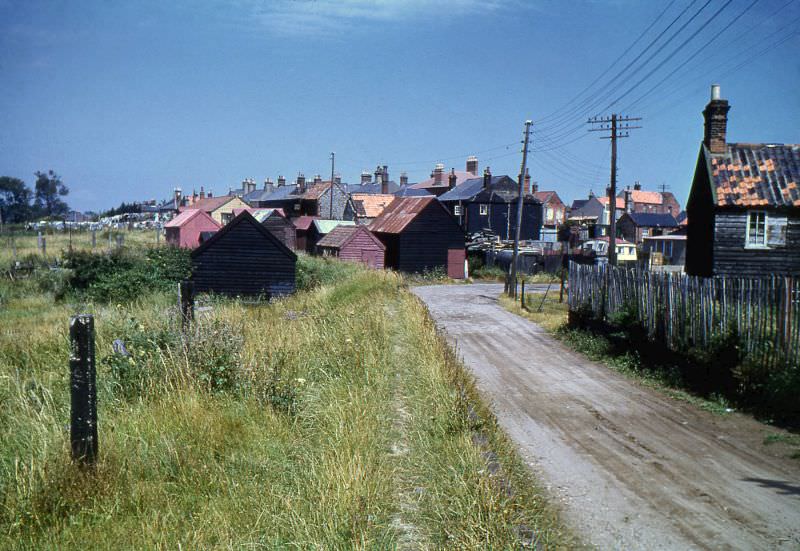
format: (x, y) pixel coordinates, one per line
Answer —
(332, 419)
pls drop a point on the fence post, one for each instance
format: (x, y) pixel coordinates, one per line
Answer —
(44, 246)
(186, 298)
(94, 238)
(522, 294)
(14, 249)
(120, 240)
(110, 243)
(83, 413)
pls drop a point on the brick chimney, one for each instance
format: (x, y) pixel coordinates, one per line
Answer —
(385, 180)
(366, 177)
(178, 196)
(251, 185)
(403, 179)
(202, 192)
(378, 174)
(526, 183)
(268, 186)
(452, 179)
(628, 200)
(716, 121)
(438, 174)
(301, 182)
(487, 177)
(637, 186)
(472, 165)
(317, 179)
(209, 195)
(281, 180)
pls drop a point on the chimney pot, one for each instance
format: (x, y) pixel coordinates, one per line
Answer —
(403, 179)
(487, 177)
(438, 174)
(366, 177)
(281, 180)
(715, 92)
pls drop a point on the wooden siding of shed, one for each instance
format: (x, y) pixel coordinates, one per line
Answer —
(732, 258)
(352, 251)
(425, 242)
(283, 229)
(700, 228)
(244, 262)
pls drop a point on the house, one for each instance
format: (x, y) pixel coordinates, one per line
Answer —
(381, 185)
(184, 230)
(441, 182)
(244, 258)
(320, 200)
(588, 215)
(554, 211)
(220, 208)
(365, 207)
(279, 226)
(635, 226)
(420, 234)
(354, 244)
(490, 203)
(281, 195)
(744, 205)
(639, 200)
(665, 250)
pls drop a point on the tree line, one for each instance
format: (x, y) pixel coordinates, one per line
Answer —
(19, 204)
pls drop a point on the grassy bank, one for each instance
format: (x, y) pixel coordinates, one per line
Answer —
(332, 419)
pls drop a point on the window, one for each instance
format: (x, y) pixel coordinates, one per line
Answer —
(227, 217)
(756, 229)
(484, 210)
(457, 210)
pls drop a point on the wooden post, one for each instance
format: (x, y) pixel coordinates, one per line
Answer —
(39, 239)
(158, 236)
(120, 240)
(522, 294)
(110, 244)
(14, 249)
(83, 414)
(44, 246)
(186, 298)
(94, 238)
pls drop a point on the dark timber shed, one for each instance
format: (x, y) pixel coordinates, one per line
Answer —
(420, 234)
(244, 258)
(281, 227)
(354, 244)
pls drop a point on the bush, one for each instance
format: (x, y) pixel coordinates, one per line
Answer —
(314, 271)
(214, 355)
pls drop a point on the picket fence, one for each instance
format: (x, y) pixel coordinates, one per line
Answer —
(685, 311)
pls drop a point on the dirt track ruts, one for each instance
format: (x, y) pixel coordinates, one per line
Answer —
(634, 469)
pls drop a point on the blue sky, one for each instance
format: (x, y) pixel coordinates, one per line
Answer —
(127, 100)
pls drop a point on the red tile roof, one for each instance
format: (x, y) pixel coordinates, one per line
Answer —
(756, 175)
(372, 204)
(620, 202)
(209, 204)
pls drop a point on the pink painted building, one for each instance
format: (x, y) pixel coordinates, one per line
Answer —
(355, 244)
(184, 230)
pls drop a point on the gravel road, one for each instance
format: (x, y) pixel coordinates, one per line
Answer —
(632, 468)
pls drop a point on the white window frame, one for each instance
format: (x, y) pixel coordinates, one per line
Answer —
(457, 210)
(484, 210)
(756, 244)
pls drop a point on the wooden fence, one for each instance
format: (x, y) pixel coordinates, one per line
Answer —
(685, 311)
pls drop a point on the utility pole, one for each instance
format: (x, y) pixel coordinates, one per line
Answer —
(333, 157)
(612, 126)
(520, 202)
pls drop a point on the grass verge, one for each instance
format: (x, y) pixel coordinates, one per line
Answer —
(332, 419)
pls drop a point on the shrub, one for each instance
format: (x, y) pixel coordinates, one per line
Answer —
(215, 354)
(314, 271)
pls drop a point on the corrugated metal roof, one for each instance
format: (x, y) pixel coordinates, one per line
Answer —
(400, 213)
(325, 226)
(756, 175)
(338, 236)
(303, 222)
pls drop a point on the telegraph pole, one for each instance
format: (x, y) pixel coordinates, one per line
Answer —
(612, 126)
(520, 203)
(333, 157)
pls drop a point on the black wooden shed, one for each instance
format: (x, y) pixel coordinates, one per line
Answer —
(244, 258)
(420, 234)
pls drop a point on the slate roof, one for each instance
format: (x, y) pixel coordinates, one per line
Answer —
(409, 191)
(279, 193)
(467, 189)
(372, 189)
(579, 203)
(652, 220)
(756, 175)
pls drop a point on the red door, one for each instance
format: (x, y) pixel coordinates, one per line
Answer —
(455, 263)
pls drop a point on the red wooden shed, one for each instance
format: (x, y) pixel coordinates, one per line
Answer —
(355, 244)
(184, 230)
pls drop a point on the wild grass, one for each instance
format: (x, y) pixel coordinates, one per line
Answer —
(545, 311)
(332, 419)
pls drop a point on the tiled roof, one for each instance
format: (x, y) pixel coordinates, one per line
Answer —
(620, 202)
(653, 220)
(209, 204)
(650, 197)
(461, 176)
(371, 206)
(756, 175)
(400, 213)
(315, 191)
(279, 193)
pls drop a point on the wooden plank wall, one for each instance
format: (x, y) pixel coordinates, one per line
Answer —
(732, 258)
(686, 311)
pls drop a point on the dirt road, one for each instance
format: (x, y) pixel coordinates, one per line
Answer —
(634, 469)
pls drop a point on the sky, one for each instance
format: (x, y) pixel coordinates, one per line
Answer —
(128, 100)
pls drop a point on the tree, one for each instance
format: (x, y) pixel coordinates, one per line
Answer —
(47, 195)
(15, 199)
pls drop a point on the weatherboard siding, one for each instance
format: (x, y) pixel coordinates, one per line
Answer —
(283, 229)
(355, 249)
(244, 262)
(731, 257)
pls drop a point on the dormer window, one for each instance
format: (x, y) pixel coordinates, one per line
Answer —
(756, 229)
